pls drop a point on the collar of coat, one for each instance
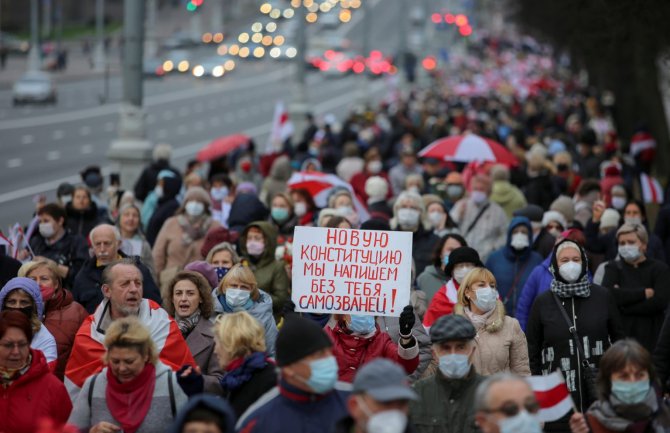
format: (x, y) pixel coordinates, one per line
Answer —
(494, 323)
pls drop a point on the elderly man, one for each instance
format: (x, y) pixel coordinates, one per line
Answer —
(505, 403)
(639, 285)
(122, 288)
(106, 242)
(482, 222)
(446, 398)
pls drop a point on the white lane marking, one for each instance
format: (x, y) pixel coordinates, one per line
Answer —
(14, 163)
(87, 148)
(53, 155)
(84, 130)
(27, 139)
(57, 134)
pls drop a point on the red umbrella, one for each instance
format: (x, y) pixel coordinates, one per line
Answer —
(468, 148)
(221, 146)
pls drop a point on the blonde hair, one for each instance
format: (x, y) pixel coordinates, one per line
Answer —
(472, 277)
(28, 267)
(242, 275)
(129, 332)
(239, 334)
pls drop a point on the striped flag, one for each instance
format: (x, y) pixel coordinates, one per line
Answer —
(552, 394)
(5, 242)
(652, 192)
(282, 129)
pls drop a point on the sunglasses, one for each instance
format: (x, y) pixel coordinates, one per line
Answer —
(510, 409)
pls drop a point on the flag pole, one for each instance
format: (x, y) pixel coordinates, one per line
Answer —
(574, 406)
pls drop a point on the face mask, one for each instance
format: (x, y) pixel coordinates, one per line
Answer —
(237, 298)
(27, 311)
(519, 241)
(388, 421)
(375, 167)
(279, 214)
(454, 365)
(570, 271)
(344, 210)
(414, 189)
(408, 218)
(194, 208)
(255, 248)
(487, 298)
(523, 422)
(300, 209)
(362, 324)
(460, 273)
(219, 193)
(618, 203)
(478, 197)
(47, 230)
(436, 218)
(221, 272)
(555, 232)
(158, 191)
(445, 260)
(629, 253)
(323, 376)
(630, 392)
(454, 191)
(633, 220)
(47, 292)
(66, 199)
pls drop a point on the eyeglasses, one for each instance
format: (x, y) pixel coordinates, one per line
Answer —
(509, 408)
(9, 346)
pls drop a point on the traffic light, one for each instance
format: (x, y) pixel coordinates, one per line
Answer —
(193, 5)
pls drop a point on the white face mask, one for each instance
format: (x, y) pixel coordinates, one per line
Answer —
(629, 253)
(344, 210)
(219, 193)
(66, 199)
(523, 422)
(388, 421)
(478, 197)
(194, 208)
(633, 220)
(408, 218)
(570, 271)
(487, 298)
(519, 241)
(555, 232)
(237, 298)
(618, 202)
(460, 273)
(47, 230)
(375, 166)
(300, 208)
(436, 218)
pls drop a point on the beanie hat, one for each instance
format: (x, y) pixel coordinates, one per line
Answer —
(197, 193)
(564, 205)
(215, 236)
(204, 269)
(376, 187)
(556, 216)
(533, 212)
(463, 255)
(610, 218)
(299, 338)
(27, 285)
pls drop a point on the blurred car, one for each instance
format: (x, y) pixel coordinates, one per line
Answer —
(34, 86)
(334, 63)
(177, 61)
(153, 68)
(14, 44)
(180, 40)
(214, 66)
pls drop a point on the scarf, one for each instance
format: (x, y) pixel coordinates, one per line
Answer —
(193, 229)
(129, 402)
(617, 416)
(478, 320)
(581, 288)
(186, 324)
(9, 375)
(240, 370)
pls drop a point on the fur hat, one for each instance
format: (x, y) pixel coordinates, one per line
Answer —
(566, 206)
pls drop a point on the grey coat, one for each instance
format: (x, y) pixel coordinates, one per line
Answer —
(201, 343)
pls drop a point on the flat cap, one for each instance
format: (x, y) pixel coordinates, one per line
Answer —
(452, 327)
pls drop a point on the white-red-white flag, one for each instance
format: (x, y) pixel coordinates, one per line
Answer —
(552, 394)
(652, 192)
(282, 129)
(5, 242)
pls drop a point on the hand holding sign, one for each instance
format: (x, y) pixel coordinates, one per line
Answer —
(406, 321)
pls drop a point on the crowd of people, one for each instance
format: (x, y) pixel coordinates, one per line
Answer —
(167, 306)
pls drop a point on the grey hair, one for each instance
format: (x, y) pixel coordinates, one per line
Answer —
(115, 229)
(162, 151)
(482, 392)
(412, 196)
(223, 246)
(638, 229)
(107, 272)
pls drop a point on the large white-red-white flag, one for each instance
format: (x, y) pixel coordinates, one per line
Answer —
(552, 394)
(282, 129)
(652, 191)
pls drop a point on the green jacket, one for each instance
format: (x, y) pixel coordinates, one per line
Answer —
(270, 273)
(508, 196)
(445, 405)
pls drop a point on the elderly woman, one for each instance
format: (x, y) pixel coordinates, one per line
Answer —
(628, 399)
(181, 237)
(189, 300)
(409, 216)
(62, 315)
(572, 310)
(433, 276)
(241, 351)
(28, 390)
(501, 344)
(135, 392)
(133, 241)
(238, 291)
(24, 295)
(222, 257)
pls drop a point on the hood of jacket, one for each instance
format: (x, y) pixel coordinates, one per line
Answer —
(211, 403)
(59, 300)
(510, 252)
(32, 289)
(269, 233)
(245, 208)
(171, 188)
(554, 262)
(281, 169)
(503, 192)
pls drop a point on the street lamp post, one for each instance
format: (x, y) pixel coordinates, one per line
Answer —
(99, 52)
(299, 106)
(34, 53)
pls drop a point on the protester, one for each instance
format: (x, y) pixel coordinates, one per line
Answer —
(456, 380)
(507, 196)
(379, 401)
(500, 344)
(303, 206)
(62, 315)
(377, 190)
(629, 399)
(82, 212)
(245, 208)
(438, 216)
(222, 257)
(133, 241)
(276, 181)
(161, 204)
(351, 163)
(433, 276)
(282, 215)
(135, 392)
(28, 390)
(342, 200)
(506, 403)
(374, 167)
(242, 354)
(308, 397)
(543, 241)
(408, 165)
(161, 161)
(9, 267)
(204, 414)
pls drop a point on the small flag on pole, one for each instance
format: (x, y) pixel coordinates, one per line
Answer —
(5, 242)
(652, 191)
(282, 129)
(553, 396)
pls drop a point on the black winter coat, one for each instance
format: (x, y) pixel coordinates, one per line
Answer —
(261, 382)
(423, 243)
(540, 190)
(81, 222)
(662, 354)
(70, 250)
(9, 267)
(147, 180)
(166, 207)
(245, 209)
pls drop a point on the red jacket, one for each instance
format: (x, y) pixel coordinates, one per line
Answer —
(442, 303)
(352, 351)
(35, 395)
(63, 318)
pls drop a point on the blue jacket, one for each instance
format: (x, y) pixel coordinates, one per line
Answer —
(512, 268)
(286, 408)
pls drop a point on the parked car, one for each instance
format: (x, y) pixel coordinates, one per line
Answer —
(34, 86)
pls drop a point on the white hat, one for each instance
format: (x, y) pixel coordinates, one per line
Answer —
(553, 215)
(610, 218)
(376, 187)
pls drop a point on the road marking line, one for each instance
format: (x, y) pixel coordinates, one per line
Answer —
(87, 148)
(57, 134)
(85, 130)
(27, 139)
(53, 155)
(14, 162)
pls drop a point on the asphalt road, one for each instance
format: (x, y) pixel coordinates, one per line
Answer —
(43, 146)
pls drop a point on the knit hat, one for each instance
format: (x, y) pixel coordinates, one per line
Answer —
(610, 218)
(215, 236)
(566, 206)
(463, 255)
(376, 187)
(197, 193)
(556, 216)
(27, 285)
(204, 269)
(533, 212)
(299, 338)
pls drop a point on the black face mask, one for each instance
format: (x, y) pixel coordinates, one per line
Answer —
(28, 311)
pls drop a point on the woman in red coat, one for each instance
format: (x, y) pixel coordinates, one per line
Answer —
(29, 392)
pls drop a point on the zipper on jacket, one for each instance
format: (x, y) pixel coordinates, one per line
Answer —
(579, 361)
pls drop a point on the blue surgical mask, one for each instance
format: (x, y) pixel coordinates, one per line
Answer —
(487, 298)
(279, 214)
(454, 365)
(445, 260)
(523, 422)
(237, 299)
(323, 376)
(630, 392)
(362, 324)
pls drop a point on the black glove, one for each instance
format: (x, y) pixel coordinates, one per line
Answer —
(192, 384)
(288, 308)
(406, 321)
